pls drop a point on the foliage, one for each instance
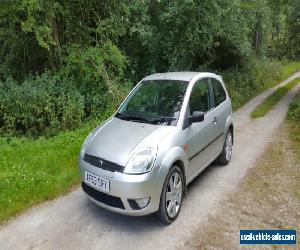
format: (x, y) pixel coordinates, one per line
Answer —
(15, 45)
(273, 99)
(96, 70)
(248, 81)
(196, 35)
(294, 124)
(256, 76)
(153, 35)
(293, 29)
(294, 110)
(40, 105)
(102, 48)
(285, 29)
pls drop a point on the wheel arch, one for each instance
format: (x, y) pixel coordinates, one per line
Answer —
(176, 156)
(229, 125)
(231, 129)
(180, 164)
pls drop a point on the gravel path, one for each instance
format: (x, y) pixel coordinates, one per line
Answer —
(73, 222)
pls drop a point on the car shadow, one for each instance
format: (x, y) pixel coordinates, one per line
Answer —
(214, 166)
(122, 222)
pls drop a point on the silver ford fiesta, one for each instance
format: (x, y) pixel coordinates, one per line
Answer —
(169, 128)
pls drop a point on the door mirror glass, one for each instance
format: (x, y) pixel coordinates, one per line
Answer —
(197, 116)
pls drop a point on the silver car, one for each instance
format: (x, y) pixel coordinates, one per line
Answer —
(170, 127)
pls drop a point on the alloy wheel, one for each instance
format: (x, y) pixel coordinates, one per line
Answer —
(228, 146)
(174, 195)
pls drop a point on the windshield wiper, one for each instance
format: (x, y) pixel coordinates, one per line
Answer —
(132, 118)
(163, 119)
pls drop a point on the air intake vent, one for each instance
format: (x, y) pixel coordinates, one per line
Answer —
(104, 164)
(108, 200)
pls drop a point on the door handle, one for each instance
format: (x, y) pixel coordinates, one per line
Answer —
(215, 119)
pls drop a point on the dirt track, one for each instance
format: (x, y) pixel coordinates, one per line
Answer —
(74, 222)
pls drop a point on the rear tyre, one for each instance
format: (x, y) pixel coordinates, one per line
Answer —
(171, 196)
(225, 156)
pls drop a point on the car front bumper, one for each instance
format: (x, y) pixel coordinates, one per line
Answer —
(124, 187)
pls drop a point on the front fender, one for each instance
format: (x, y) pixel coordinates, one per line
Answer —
(174, 154)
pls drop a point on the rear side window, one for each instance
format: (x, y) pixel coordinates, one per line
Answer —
(219, 92)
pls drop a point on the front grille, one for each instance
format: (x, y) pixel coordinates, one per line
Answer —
(109, 200)
(104, 164)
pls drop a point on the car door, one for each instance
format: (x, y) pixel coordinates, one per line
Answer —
(221, 112)
(199, 135)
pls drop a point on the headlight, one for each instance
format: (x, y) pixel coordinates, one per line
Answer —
(141, 161)
(85, 144)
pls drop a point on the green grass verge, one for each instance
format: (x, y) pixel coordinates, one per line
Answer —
(271, 100)
(286, 71)
(289, 69)
(243, 84)
(32, 171)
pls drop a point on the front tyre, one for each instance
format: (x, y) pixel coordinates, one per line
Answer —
(225, 156)
(171, 196)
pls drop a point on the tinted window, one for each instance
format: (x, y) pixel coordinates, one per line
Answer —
(200, 97)
(219, 92)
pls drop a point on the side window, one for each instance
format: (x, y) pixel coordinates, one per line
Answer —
(200, 97)
(219, 92)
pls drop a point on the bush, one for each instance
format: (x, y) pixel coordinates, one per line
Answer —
(40, 105)
(255, 76)
(264, 107)
(97, 72)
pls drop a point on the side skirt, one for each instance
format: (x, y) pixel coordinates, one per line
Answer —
(201, 169)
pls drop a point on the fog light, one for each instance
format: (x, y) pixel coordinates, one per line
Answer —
(139, 203)
(143, 202)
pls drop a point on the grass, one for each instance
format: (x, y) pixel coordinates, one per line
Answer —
(271, 100)
(32, 171)
(286, 71)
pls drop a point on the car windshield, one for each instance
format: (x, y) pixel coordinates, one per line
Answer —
(156, 102)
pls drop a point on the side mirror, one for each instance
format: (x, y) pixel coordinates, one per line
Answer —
(197, 116)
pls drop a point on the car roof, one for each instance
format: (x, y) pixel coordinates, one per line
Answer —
(181, 76)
